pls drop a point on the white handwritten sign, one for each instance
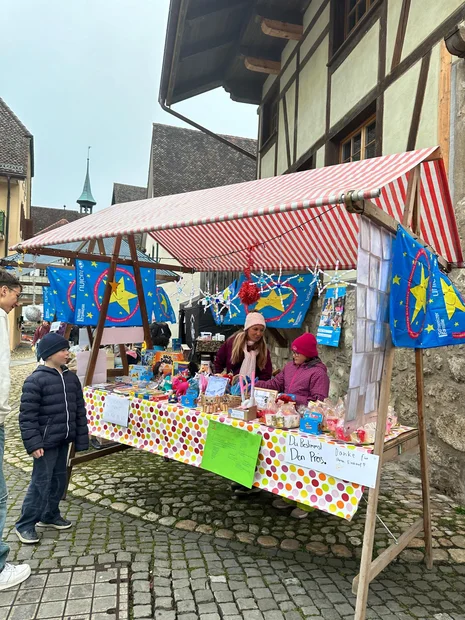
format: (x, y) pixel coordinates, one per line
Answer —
(338, 460)
(116, 410)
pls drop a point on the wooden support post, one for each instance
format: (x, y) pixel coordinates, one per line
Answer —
(68, 329)
(424, 466)
(101, 247)
(103, 314)
(373, 495)
(90, 335)
(140, 291)
(388, 555)
(412, 197)
(124, 359)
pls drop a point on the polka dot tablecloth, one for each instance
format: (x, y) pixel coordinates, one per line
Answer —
(179, 433)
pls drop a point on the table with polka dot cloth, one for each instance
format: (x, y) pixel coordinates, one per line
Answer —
(179, 433)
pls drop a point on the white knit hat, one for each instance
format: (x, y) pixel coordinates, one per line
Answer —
(254, 318)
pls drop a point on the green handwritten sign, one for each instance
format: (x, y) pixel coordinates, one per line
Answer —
(231, 452)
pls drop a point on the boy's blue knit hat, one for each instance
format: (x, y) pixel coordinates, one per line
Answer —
(51, 343)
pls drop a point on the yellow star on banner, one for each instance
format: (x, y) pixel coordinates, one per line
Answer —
(73, 296)
(90, 315)
(150, 294)
(93, 264)
(291, 321)
(121, 296)
(451, 299)
(401, 303)
(396, 280)
(429, 328)
(55, 292)
(273, 300)
(456, 324)
(300, 279)
(420, 292)
(86, 294)
(395, 322)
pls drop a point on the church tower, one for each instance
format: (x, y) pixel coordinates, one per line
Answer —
(86, 200)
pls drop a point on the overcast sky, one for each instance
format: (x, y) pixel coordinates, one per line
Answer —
(86, 72)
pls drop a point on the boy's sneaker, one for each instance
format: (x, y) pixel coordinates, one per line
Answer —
(58, 524)
(28, 537)
(14, 574)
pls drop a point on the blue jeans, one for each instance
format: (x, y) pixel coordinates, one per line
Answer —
(46, 489)
(4, 548)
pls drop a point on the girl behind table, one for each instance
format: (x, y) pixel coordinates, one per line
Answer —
(246, 351)
(306, 377)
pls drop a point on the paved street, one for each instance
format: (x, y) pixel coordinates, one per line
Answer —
(192, 551)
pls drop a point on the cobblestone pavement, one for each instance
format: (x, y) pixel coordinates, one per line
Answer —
(193, 551)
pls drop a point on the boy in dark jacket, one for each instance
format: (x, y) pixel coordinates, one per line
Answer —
(51, 416)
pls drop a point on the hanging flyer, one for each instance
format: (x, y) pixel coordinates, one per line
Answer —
(329, 329)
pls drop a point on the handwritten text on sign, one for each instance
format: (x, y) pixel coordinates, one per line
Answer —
(116, 410)
(338, 460)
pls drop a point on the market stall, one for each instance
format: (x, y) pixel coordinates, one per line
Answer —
(338, 218)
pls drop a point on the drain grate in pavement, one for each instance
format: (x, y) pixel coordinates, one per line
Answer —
(97, 592)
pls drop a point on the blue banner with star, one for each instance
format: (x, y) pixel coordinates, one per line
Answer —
(426, 308)
(163, 310)
(123, 309)
(284, 300)
(63, 290)
(49, 303)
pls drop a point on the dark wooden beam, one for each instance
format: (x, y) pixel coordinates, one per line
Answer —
(261, 65)
(244, 92)
(98, 258)
(103, 314)
(192, 88)
(202, 9)
(281, 30)
(419, 98)
(400, 37)
(140, 292)
(207, 45)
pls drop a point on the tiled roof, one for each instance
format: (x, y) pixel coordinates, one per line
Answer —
(127, 193)
(48, 217)
(185, 160)
(15, 143)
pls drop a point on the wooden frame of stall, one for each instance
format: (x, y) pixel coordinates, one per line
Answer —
(403, 446)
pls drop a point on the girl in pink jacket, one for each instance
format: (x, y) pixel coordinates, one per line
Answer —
(306, 376)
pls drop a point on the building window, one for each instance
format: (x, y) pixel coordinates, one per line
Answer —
(346, 16)
(361, 144)
(269, 117)
(354, 11)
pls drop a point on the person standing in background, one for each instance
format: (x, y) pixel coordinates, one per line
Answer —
(10, 291)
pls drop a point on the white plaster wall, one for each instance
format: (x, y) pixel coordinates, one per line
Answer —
(310, 12)
(315, 32)
(357, 75)
(270, 80)
(393, 14)
(399, 100)
(424, 17)
(287, 51)
(282, 153)
(287, 75)
(312, 99)
(267, 164)
(429, 119)
(320, 158)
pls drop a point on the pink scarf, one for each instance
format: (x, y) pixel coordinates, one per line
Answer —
(249, 364)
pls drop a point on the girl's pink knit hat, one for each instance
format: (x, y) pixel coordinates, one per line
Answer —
(305, 345)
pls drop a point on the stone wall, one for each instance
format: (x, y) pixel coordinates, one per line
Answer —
(444, 371)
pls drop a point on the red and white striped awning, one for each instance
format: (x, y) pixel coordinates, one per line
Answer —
(291, 221)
